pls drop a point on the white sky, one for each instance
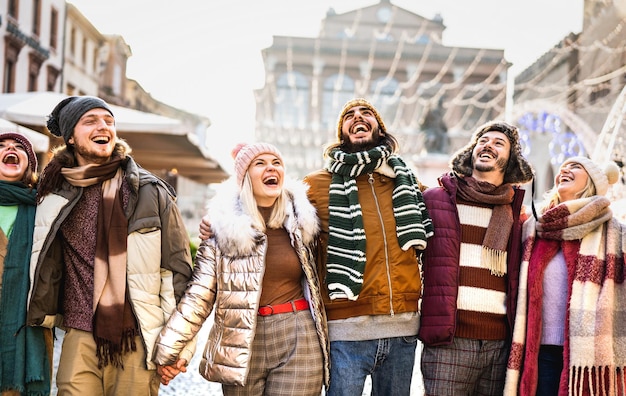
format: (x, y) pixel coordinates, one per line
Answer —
(204, 56)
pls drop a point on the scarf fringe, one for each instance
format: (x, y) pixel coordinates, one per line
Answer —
(494, 260)
(597, 381)
(109, 353)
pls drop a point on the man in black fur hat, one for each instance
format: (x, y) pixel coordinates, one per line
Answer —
(471, 265)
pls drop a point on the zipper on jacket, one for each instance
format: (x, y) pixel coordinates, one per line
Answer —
(370, 180)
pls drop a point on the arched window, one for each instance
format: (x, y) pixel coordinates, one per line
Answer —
(292, 100)
(338, 89)
(383, 93)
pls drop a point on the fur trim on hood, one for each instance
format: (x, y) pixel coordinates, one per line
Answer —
(233, 229)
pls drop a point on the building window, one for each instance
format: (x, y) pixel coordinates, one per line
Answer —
(73, 41)
(13, 11)
(292, 100)
(83, 54)
(36, 17)
(338, 89)
(118, 77)
(385, 97)
(10, 62)
(51, 79)
(9, 76)
(54, 27)
(32, 81)
(34, 65)
(94, 66)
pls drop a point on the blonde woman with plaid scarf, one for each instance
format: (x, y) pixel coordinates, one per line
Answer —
(569, 336)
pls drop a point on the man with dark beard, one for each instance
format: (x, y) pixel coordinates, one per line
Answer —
(110, 256)
(374, 224)
(471, 265)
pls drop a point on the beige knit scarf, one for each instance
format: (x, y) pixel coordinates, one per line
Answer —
(114, 325)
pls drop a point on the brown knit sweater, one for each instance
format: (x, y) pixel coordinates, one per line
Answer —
(282, 280)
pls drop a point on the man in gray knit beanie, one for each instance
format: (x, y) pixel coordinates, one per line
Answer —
(116, 256)
(65, 115)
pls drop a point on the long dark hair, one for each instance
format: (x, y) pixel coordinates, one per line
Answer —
(64, 157)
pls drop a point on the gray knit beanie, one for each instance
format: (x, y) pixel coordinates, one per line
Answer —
(63, 119)
(518, 170)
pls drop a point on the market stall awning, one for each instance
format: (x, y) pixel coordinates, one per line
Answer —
(159, 143)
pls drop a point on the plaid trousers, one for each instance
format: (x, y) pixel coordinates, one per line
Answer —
(286, 358)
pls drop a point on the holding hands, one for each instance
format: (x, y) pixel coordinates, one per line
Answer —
(169, 372)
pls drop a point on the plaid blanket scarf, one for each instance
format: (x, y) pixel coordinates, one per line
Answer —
(594, 352)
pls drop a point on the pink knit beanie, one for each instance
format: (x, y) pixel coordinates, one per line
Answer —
(244, 154)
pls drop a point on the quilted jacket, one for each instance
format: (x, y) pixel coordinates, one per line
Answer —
(158, 257)
(441, 263)
(228, 279)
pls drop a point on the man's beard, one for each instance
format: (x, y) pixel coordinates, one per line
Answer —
(500, 165)
(362, 145)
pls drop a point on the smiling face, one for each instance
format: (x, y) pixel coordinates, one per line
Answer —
(571, 181)
(13, 160)
(267, 173)
(94, 137)
(359, 129)
(490, 157)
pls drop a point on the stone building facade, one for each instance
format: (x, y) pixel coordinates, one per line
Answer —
(571, 101)
(431, 96)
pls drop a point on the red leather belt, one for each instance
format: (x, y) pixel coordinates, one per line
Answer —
(290, 306)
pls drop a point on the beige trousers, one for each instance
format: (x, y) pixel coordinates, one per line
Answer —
(79, 375)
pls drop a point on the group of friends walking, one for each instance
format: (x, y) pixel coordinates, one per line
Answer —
(314, 284)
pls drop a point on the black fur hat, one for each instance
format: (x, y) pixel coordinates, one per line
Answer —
(518, 170)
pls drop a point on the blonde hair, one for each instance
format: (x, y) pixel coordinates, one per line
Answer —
(249, 206)
(552, 198)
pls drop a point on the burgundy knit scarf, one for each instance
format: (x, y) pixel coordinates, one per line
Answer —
(114, 325)
(494, 256)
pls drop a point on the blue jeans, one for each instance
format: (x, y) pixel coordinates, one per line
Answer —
(549, 367)
(389, 361)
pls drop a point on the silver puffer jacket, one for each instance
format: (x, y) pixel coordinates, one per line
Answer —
(228, 276)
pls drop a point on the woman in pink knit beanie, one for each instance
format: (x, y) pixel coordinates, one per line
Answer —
(258, 273)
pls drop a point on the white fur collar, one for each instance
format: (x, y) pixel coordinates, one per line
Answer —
(233, 228)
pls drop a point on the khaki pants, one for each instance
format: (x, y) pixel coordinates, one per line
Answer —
(79, 375)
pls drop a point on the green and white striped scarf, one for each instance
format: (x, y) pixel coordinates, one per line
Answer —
(346, 241)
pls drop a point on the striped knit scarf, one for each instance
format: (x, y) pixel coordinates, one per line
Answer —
(594, 357)
(114, 325)
(346, 241)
